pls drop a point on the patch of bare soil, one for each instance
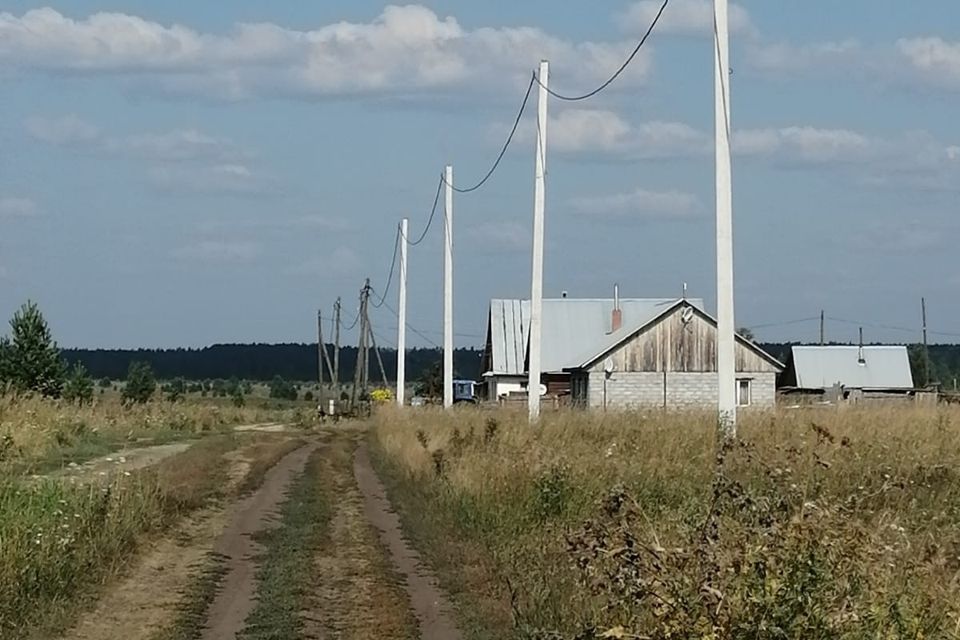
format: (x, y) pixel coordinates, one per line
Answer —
(144, 601)
(146, 598)
(125, 460)
(235, 599)
(429, 604)
(357, 595)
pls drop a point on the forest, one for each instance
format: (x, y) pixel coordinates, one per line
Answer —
(299, 362)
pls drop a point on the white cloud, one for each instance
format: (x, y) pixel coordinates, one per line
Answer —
(15, 207)
(683, 17)
(787, 58)
(500, 235)
(805, 144)
(174, 146)
(226, 178)
(342, 261)
(935, 59)
(404, 49)
(66, 130)
(601, 131)
(219, 251)
(171, 146)
(641, 202)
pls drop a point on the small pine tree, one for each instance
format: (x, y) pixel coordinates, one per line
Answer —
(30, 359)
(79, 386)
(282, 389)
(237, 395)
(141, 383)
(176, 390)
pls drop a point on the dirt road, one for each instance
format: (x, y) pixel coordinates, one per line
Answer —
(321, 515)
(236, 598)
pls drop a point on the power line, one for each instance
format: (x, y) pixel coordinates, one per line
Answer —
(622, 68)
(433, 213)
(785, 323)
(393, 265)
(506, 145)
(412, 328)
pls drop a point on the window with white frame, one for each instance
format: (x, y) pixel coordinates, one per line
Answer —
(744, 392)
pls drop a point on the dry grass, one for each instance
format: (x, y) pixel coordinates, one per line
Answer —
(60, 540)
(820, 524)
(38, 434)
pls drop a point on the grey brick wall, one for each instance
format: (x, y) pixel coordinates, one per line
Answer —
(626, 390)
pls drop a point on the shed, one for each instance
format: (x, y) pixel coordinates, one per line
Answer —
(868, 371)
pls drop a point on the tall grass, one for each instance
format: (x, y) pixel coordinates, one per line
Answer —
(59, 540)
(817, 524)
(36, 433)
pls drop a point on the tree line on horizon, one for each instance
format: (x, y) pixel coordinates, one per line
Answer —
(265, 362)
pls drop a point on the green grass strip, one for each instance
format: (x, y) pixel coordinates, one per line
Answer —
(287, 569)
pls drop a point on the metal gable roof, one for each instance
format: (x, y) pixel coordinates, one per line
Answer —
(573, 329)
(884, 367)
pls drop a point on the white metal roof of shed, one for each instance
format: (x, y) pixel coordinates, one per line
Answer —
(572, 329)
(884, 367)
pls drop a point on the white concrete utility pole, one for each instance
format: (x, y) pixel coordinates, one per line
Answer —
(402, 316)
(448, 289)
(726, 341)
(536, 286)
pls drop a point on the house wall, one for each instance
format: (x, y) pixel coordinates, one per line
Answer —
(501, 386)
(637, 389)
(676, 346)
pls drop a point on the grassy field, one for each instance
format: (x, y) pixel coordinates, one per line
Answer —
(38, 435)
(816, 524)
(62, 538)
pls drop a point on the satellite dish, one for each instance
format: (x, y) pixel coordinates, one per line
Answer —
(543, 390)
(608, 366)
(686, 316)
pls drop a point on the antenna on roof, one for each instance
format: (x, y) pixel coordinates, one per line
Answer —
(684, 291)
(860, 358)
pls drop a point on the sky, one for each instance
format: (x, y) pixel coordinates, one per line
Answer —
(188, 173)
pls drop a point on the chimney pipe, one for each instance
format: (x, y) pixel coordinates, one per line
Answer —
(617, 320)
(860, 358)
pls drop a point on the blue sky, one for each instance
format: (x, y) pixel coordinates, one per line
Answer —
(182, 173)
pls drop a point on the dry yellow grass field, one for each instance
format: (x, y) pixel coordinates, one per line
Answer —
(819, 523)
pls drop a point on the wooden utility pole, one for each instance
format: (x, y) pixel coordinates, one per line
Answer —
(320, 349)
(376, 351)
(361, 376)
(336, 345)
(448, 290)
(536, 286)
(323, 357)
(822, 318)
(726, 341)
(926, 348)
(402, 316)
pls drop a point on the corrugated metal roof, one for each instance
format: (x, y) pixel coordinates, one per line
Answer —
(884, 367)
(573, 329)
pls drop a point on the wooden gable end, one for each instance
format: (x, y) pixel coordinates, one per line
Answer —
(684, 340)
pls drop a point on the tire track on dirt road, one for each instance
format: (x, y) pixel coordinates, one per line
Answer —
(430, 605)
(236, 596)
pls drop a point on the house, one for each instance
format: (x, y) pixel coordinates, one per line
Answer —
(669, 360)
(570, 326)
(621, 353)
(848, 373)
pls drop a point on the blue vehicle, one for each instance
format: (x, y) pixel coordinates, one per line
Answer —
(464, 391)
